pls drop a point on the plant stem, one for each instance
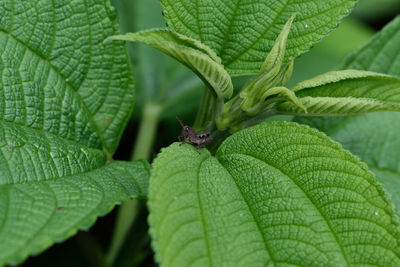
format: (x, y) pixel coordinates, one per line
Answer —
(207, 111)
(147, 131)
(126, 215)
(129, 210)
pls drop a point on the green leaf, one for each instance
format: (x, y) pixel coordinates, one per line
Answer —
(345, 92)
(333, 106)
(276, 56)
(275, 193)
(94, 93)
(373, 137)
(255, 98)
(196, 56)
(276, 94)
(38, 212)
(243, 31)
(65, 97)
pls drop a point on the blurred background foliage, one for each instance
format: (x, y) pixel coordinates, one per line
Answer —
(176, 91)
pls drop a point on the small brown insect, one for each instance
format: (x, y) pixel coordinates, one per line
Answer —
(190, 136)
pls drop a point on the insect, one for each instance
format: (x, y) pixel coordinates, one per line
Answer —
(189, 136)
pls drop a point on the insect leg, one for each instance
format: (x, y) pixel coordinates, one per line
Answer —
(197, 149)
(183, 140)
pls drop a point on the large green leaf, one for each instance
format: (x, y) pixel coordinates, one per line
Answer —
(37, 211)
(57, 73)
(373, 137)
(243, 31)
(346, 92)
(277, 193)
(65, 97)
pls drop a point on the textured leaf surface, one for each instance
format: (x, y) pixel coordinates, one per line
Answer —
(346, 92)
(65, 97)
(243, 31)
(34, 214)
(373, 137)
(62, 47)
(195, 55)
(276, 193)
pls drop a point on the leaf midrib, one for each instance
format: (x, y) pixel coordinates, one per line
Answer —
(267, 248)
(207, 239)
(69, 86)
(228, 32)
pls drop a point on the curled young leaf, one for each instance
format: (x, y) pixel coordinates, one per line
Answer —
(252, 100)
(276, 95)
(335, 77)
(196, 56)
(273, 72)
(276, 56)
(346, 92)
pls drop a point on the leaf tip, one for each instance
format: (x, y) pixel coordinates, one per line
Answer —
(119, 37)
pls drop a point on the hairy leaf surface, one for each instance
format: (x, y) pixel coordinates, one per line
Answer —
(37, 212)
(65, 97)
(275, 193)
(373, 137)
(345, 92)
(243, 31)
(195, 55)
